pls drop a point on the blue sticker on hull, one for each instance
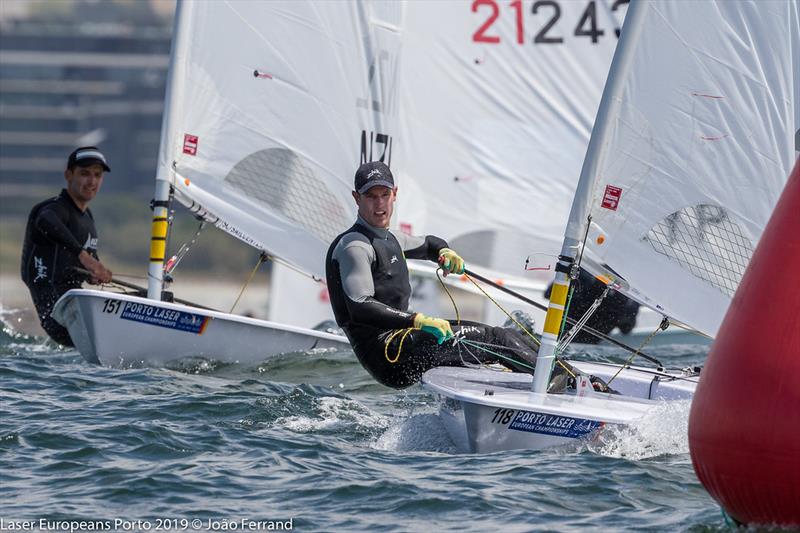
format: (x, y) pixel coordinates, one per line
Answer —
(165, 318)
(559, 426)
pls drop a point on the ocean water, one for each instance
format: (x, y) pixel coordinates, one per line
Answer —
(308, 441)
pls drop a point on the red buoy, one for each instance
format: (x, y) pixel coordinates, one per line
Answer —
(744, 425)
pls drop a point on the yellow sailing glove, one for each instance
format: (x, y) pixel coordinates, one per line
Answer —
(451, 262)
(435, 326)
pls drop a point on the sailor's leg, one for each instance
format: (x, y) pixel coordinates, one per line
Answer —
(44, 298)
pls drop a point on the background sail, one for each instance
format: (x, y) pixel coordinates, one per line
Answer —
(497, 102)
(276, 105)
(699, 152)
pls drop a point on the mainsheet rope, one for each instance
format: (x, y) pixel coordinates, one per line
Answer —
(483, 346)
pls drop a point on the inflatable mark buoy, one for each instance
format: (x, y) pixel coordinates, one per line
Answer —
(744, 425)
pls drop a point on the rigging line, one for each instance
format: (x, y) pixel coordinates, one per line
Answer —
(172, 264)
(566, 310)
(520, 326)
(496, 354)
(541, 307)
(170, 220)
(132, 276)
(261, 258)
(583, 246)
(663, 375)
(582, 322)
(141, 289)
(439, 277)
(664, 325)
(690, 329)
(289, 266)
(573, 275)
(688, 372)
(485, 345)
(479, 364)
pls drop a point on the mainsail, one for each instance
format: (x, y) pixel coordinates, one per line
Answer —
(699, 140)
(497, 103)
(272, 106)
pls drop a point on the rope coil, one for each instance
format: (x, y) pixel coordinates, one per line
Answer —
(399, 347)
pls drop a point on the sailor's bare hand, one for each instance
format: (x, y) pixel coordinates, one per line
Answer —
(99, 273)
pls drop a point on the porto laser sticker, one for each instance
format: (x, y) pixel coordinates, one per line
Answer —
(611, 197)
(190, 144)
(558, 426)
(165, 318)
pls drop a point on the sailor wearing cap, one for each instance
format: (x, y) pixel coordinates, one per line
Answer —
(369, 288)
(61, 236)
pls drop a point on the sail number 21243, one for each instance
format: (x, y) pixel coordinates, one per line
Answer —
(546, 15)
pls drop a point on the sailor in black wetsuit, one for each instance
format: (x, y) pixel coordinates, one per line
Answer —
(60, 236)
(369, 287)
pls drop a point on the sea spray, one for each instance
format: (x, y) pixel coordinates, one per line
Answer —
(663, 431)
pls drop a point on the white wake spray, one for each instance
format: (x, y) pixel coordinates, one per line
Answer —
(664, 431)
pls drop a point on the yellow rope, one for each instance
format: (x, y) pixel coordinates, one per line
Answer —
(458, 316)
(399, 348)
(520, 326)
(253, 273)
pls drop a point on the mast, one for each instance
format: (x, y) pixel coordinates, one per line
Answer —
(164, 176)
(607, 112)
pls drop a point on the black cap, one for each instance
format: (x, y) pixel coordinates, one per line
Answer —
(372, 174)
(85, 156)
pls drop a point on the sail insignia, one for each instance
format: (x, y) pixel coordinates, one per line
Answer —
(285, 181)
(704, 240)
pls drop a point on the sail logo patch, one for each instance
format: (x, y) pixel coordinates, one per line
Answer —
(558, 426)
(611, 197)
(165, 318)
(190, 144)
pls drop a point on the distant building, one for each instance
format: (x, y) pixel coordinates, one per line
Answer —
(77, 73)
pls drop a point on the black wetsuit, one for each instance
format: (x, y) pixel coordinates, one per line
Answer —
(372, 309)
(56, 232)
(616, 310)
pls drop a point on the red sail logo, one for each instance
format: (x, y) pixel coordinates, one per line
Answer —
(190, 144)
(611, 197)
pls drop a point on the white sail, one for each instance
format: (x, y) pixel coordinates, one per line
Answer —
(700, 140)
(497, 103)
(485, 127)
(275, 106)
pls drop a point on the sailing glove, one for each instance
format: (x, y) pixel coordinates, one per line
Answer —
(450, 262)
(438, 327)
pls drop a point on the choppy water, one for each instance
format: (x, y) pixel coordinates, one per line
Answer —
(311, 438)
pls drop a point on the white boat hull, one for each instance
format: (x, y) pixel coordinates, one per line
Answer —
(487, 411)
(122, 330)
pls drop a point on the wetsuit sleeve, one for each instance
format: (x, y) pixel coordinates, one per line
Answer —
(50, 222)
(355, 268)
(416, 247)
